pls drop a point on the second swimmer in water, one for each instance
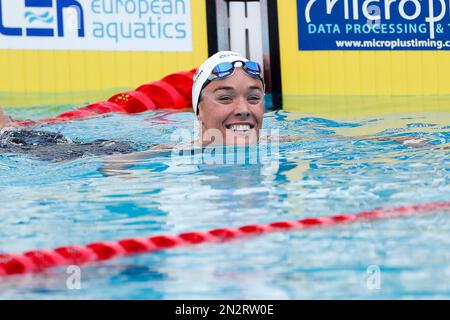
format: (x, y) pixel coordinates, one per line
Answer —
(51, 146)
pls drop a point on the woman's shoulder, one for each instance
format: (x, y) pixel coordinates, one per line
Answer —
(278, 138)
(175, 146)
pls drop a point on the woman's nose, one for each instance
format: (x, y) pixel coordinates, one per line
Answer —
(242, 110)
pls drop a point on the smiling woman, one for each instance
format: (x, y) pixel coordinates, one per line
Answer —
(234, 107)
(228, 98)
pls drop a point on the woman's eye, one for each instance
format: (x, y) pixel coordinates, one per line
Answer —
(254, 98)
(225, 99)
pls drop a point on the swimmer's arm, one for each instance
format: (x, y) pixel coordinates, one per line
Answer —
(409, 141)
(117, 164)
(272, 139)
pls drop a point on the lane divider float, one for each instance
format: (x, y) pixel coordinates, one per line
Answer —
(37, 261)
(171, 92)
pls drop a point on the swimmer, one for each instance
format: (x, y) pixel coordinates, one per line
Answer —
(51, 146)
(228, 101)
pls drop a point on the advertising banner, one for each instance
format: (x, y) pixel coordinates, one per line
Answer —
(119, 25)
(373, 24)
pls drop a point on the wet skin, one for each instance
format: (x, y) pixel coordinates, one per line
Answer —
(231, 110)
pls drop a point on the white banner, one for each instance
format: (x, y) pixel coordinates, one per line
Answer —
(122, 25)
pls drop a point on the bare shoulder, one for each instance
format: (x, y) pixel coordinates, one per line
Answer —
(163, 147)
(274, 138)
(409, 141)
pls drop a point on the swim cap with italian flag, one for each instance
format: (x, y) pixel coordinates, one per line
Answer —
(205, 70)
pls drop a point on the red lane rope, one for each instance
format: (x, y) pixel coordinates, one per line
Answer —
(39, 260)
(171, 92)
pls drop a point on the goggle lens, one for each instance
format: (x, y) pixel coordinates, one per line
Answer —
(226, 69)
(252, 67)
(223, 69)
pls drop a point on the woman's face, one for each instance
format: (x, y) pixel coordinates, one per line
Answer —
(231, 110)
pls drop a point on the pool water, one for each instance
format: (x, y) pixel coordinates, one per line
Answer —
(337, 167)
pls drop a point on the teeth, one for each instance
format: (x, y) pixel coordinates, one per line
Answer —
(240, 127)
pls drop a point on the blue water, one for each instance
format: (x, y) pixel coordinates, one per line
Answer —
(337, 167)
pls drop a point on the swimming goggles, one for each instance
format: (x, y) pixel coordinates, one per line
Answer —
(225, 69)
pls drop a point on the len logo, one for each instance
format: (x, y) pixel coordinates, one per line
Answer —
(46, 17)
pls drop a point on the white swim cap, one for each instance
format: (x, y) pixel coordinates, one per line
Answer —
(202, 74)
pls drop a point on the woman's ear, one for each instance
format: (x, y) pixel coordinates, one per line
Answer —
(199, 114)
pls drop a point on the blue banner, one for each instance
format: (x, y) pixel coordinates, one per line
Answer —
(373, 24)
